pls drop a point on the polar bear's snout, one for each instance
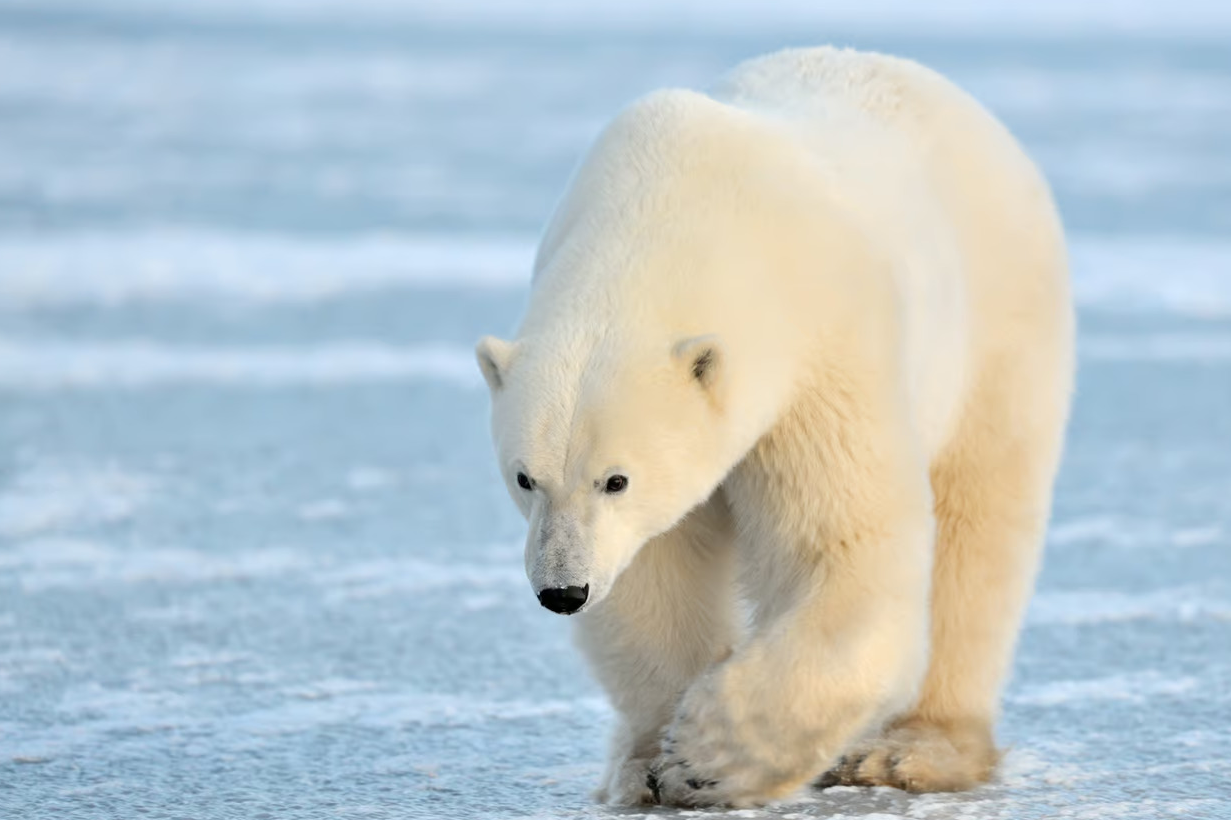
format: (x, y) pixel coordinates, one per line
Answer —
(557, 560)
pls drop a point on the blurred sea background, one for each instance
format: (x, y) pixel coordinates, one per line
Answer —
(255, 559)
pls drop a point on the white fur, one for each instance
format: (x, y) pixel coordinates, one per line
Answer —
(869, 277)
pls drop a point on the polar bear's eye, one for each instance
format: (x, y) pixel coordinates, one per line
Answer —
(616, 484)
(524, 482)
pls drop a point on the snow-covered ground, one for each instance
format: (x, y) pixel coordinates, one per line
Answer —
(254, 558)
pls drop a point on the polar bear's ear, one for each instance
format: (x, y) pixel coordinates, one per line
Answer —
(703, 357)
(493, 356)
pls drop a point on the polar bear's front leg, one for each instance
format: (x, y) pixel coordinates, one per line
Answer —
(838, 528)
(670, 615)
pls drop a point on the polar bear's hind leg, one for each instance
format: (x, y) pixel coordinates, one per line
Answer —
(992, 491)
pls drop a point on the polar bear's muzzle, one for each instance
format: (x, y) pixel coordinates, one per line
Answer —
(557, 561)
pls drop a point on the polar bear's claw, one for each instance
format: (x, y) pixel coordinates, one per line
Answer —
(673, 786)
(919, 757)
(651, 783)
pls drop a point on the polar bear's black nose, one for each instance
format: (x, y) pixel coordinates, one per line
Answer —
(564, 601)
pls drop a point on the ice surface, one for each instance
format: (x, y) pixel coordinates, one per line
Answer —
(255, 561)
(46, 365)
(1191, 17)
(125, 268)
(169, 266)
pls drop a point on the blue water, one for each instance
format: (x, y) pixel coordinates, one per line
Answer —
(254, 557)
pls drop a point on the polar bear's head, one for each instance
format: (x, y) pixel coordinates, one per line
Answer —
(602, 448)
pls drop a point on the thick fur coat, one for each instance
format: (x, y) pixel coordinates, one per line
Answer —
(805, 342)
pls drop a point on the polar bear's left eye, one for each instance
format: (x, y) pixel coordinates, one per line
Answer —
(616, 484)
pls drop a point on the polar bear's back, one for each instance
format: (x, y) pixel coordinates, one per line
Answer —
(878, 115)
(833, 88)
(863, 110)
(823, 80)
(937, 176)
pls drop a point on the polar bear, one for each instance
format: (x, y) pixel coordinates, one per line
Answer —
(784, 415)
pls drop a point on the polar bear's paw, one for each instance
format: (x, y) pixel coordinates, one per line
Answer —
(675, 781)
(920, 756)
(627, 783)
(717, 753)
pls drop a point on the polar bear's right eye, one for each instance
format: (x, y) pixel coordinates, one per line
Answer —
(524, 482)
